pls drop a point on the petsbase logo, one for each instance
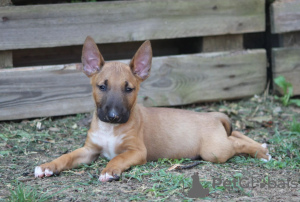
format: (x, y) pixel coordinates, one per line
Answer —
(253, 182)
(239, 183)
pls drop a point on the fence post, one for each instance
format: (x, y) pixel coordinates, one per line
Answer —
(5, 56)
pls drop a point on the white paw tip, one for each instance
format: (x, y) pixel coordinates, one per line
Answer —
(269, 158)
(48, 172)
(105, 177)
(264, 145)
(38, 172)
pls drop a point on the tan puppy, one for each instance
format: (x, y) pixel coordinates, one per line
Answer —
(129, 134)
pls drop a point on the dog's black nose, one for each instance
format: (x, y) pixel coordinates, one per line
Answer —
(113, 115)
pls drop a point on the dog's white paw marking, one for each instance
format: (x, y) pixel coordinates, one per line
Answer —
(106, 177)
(48, 172)
(270, 157)
(38, 172)
(264, 160)
(264, 145)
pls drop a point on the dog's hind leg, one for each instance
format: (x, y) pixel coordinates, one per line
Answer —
(219, 150)
(253, 148)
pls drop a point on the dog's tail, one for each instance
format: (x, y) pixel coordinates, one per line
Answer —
(225, 121)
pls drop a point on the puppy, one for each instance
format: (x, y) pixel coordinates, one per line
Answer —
(129, 134)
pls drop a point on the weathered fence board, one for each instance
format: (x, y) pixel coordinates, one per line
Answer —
(174, 80)
(285, 20)
(6, 59)
(290, 39)
(5, 56)
(193, 78)
(68, 24)
(286, 62)
(285, 15)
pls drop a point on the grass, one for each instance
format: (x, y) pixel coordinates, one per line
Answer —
(164, 183)
(295, 126)
(22, 193)
(25, 144)
(286, 151)
(287, 89)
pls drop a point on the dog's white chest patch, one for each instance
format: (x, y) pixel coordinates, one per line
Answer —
(106, 139)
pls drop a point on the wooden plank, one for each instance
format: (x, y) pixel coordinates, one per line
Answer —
(5, 3)
(285, 16)
(68, 24)
(286, 62)
(27, 94)
(5, 56)
(222, 43)
(290, 39)
(178, 80)
(6, 59)
(174, 80)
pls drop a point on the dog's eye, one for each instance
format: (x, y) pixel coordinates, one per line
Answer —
(128, 90)
(102, 87)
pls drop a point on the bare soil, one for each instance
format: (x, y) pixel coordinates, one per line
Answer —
(28, 143)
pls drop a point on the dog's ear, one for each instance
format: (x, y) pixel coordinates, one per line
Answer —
(91, 58)
(141, 62)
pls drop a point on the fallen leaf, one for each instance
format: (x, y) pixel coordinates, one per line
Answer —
(239, 125)
(185, 166)
(248, 124)
(228, 111)
(39, 125)
(52, 129)
(261, 119)
(256, 98)
(79, 172)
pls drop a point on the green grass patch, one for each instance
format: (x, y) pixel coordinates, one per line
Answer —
(295, 126)
(23, 193)
(287, 89)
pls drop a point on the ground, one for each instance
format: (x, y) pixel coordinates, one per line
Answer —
(28, 143)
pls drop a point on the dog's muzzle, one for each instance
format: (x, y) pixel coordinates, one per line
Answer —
(113, 115)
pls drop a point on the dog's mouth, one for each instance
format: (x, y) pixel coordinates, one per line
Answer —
(113, 117)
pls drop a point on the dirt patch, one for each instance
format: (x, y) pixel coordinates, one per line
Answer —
(28, 143)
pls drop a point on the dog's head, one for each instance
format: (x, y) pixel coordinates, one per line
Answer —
(115, 84)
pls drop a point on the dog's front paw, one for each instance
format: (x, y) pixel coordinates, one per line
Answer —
(268, 156)
(109, 174)
(46, 170)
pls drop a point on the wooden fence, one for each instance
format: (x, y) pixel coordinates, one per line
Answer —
(219, 68)
(285, 18)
